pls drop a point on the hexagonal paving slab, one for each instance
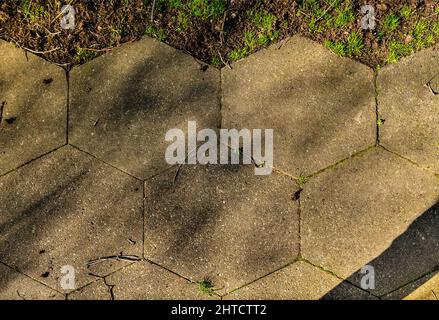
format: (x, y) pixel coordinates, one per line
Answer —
(123, 103)
(220, 222)
(15, 286)
(410, 107)
(321, 107)
(299, 281)
(68, 208)
(372, 209)
(33, 107)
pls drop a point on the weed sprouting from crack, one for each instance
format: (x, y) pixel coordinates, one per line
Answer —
(206, 286)
(301, 181)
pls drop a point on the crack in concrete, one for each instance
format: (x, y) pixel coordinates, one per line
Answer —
(429, 84)
(110, 288)
(2, 106)
(67, 72)
(378, 119)
(338, 277)
(20, 295)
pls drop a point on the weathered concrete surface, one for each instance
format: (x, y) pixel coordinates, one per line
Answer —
(97, 290)
(33, 107)
(221, 222)
(410, 109)
(65, 209)
(321, 107)
(299, 281)
(144, 280)
(141, 281)
(123, 103)
(15, 286)
(365, 212)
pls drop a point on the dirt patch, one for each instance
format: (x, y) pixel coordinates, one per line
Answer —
(220, 31)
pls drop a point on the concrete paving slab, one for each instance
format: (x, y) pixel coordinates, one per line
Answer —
(16, 286)
(410, 108)
(123, 103)
(372, 210)
(33, 107)
(97, 290)
(321, 107)
(221, 222)
(145, 281)
(299, 281)
(68, 208)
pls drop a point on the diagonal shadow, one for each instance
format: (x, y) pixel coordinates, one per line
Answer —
(413, 256)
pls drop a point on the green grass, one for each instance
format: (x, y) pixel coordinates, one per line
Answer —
(207, 9)
(83, 55)
(338, 47)
(158, 33)
(216, 61)
(250, 40)
(31, 10)
(352, 47)
(202, 9)
(265, 26)
(405, 12)
(238, 54)
(391, 23)
(206, 286)
(183, 21)
(262, 32)
(397, 50)
(344, 17)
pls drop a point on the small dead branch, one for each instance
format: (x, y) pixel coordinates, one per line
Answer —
(152, 11)
(117, 258)
(222, 60)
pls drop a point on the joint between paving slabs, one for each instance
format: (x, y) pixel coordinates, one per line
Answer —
(176, 274)
(315, 174)
(378, 120)
(261, 277)
(299, 214)
(31, 278)
(32, 160)
(409, 160)
(337, 276)
(108, 164)
(143, 219)
(432, 272)
(67, 73)
(220, 120)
